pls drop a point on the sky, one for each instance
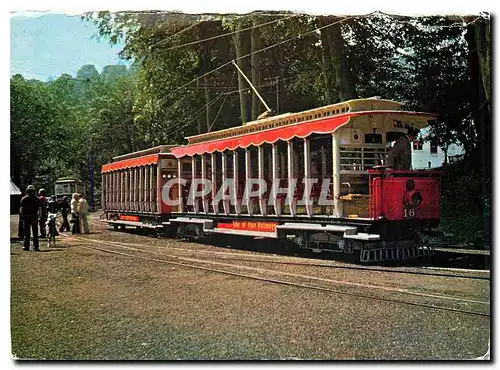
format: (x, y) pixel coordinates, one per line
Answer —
(45, 45)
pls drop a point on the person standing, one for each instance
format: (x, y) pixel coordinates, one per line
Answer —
(65, 208)
(83, 212)
(20, 226)
(74, 213)
(399, 157)
(29, 211)
(43, 211)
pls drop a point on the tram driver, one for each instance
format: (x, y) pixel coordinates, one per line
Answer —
(399, 156)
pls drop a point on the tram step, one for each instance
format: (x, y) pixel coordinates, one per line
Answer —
(362, 236)
(134, 223)
(207, 223)
(347, 230)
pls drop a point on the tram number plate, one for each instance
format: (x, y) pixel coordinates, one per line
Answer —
(409, 212)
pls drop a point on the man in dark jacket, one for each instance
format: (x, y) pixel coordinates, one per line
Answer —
(64, 207)
(399, 157)
(29, 212)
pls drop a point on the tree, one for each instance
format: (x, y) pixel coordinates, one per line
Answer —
(242, 46)
(36, 128)
(335, 57)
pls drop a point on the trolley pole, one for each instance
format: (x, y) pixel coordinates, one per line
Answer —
(253, 87)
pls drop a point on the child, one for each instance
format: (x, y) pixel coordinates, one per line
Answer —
(50, 225)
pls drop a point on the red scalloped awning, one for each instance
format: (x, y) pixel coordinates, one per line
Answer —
(129, 163)
(325, 125)
(320, 126)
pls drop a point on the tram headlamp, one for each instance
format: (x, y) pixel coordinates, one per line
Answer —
(410, 185)
(416, 199)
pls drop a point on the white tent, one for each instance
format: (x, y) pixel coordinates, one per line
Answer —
(14, 190)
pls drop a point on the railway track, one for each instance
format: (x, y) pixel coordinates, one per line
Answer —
(361, 290)
(299, 261)
(482, 274)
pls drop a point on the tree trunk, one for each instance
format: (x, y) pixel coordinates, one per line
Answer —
(343, 78)
(205, 54)
(255, 45)
(478, 41)
(241, 50)
(328, 77)
(129, 134)
(483, 44)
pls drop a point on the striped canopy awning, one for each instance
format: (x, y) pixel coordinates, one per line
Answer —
(323, 125)
(129, 163)
(320, 126)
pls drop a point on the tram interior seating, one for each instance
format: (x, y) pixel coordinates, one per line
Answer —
(355, 194)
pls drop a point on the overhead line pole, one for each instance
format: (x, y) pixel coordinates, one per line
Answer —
(277, 95)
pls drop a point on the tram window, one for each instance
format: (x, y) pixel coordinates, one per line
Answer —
(417, 145)
(434, 148)
(373, 138)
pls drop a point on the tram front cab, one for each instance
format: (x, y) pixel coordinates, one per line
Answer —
(371, 190)
(404, 195)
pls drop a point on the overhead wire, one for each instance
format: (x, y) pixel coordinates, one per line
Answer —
(228, 33)
(176, 34)
(191, 119)
(258, 51)
(250, 54)
(218, 113)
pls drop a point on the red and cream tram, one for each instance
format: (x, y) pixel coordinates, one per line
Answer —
(305, 177)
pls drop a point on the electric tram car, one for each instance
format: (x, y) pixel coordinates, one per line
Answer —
(319, 174)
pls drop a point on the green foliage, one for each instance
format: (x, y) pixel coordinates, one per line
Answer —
(56, 126)
(462, 203)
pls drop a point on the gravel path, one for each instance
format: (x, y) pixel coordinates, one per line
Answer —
(75, 303)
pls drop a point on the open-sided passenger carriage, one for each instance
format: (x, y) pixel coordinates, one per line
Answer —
(322, 159)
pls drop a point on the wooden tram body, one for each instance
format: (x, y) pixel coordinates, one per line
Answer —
(327, 153)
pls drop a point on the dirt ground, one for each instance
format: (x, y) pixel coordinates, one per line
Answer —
(70, 302)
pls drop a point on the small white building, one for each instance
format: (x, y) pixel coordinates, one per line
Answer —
(424, 154)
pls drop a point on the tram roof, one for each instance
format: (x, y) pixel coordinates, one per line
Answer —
(323, 120)
(137, 159)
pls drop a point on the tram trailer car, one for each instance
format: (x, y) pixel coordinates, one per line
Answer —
(131, 188)
(67, 186)
(380, 212)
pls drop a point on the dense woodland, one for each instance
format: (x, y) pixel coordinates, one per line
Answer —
(181, 82)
